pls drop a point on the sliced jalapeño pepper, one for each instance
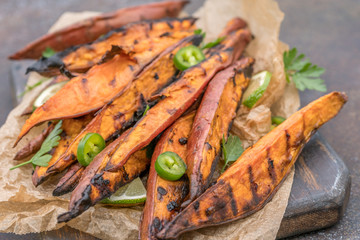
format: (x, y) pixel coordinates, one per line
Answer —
(187, 57)
(170, 166)
(89, 147)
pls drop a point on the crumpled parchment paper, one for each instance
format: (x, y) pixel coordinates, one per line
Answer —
(25, 209)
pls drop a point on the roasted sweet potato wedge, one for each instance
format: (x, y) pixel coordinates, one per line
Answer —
(71, 128)
(88, 192)
(164, 197)
(126, 109)
(247, 185)
(70, 180)
(90, 29)
(212, 122)
(130, 38)
(88, 92)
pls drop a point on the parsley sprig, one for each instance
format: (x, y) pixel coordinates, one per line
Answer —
(231, 150)
(302, 72)
(48, 52)
(42, 157)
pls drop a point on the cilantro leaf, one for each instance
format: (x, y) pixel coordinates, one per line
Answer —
(48, 52)
(146, 110)
(214, 43)
(42, 157)
(232, 149)
(302, 72)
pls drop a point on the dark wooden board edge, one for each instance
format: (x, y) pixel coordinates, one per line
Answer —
(312, 207)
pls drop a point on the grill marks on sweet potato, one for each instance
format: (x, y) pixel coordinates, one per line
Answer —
(248, 184)
(70, 180)
(126, 109)
(71, 128)
(90, 29)
(75, 98)
(177, 97)
(131, 38)
(213, 119)
(164, 197)
(91, 190)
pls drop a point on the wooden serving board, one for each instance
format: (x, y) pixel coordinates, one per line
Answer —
(318, 198)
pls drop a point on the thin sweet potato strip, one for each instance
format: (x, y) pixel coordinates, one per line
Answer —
(70, 180)
(247, 185)
(164, 197)
(90, 91)
(130, 38)
(90, 29)
(105, 183)
(35, 144)
(212, 122)
(71, 128)
(126, 109)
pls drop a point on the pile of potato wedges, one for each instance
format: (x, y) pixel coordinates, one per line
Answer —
(123, 85)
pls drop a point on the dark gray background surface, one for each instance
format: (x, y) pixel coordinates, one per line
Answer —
(328, 32)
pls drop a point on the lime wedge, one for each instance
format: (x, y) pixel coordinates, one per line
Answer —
(48, 93)
(133, 193)
(257, 86)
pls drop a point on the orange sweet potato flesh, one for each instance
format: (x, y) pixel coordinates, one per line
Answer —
(71, 128)
(127, 108)
(213, 121)
(105, 183)
(178, 97)
(130, 38)
(164, 197)
(247, 185)
(90, 91)
(70, 180)
(90, 29)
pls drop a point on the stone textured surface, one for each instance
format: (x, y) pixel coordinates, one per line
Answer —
(328, 32)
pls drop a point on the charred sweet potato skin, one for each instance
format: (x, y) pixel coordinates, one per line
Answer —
(131, 38)
(90, 29)
(175, 100)
(71, 128)
(178, 97)
(90, 190)
(114, 118)
(248, 184)
(164, 197)
(213, 121)
(90, 91)
(69, 181)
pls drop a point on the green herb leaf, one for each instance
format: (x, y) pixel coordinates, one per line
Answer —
(42, 158)
(48, 52)
(232, 150)
(214, 43)
(302, 72)
(31, 87)
(277, 120)
(199, 31)
(146, 110)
